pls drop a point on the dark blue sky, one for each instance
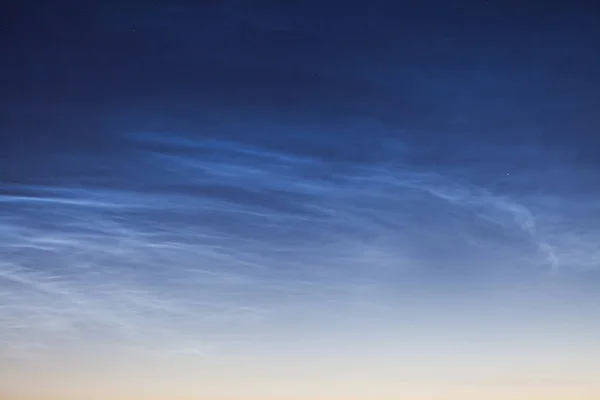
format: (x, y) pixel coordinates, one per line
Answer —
(456, 82)
(284, 164)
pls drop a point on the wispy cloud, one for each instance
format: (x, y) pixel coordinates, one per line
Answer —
(218, 235)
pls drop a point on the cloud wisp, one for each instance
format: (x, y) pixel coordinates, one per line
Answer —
(220, 238)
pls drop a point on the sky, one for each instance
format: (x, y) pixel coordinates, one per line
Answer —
(299, 200)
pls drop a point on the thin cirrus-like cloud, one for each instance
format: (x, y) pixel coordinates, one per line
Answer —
(217, 236)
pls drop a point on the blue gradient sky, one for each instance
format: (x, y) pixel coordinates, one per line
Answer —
(258, 200)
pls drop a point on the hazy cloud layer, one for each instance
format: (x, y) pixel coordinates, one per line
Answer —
(217, 237)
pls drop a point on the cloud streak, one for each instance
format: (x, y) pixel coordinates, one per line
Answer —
(223, 237)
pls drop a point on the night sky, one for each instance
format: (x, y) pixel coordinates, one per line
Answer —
(299, 200)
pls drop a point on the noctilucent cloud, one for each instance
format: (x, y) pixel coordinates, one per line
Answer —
(299, 200)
